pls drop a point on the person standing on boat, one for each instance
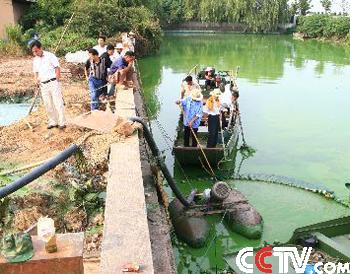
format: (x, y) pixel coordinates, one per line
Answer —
(235, 106)
(209, 78)
(47, 74)
(187, 86)
(212, 111)
(192, 108)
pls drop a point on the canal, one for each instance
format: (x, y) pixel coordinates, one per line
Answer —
(294, 100)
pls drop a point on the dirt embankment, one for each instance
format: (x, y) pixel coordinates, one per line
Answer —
(18, 142)
(73, 193)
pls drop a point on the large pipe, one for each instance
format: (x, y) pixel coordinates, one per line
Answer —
(157, 155)
(37, 172)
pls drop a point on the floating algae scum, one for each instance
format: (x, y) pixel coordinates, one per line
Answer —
(284, 86)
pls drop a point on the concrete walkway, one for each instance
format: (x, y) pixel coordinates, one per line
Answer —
(126, 236)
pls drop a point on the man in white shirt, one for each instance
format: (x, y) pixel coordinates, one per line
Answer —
(47, 74)
(101, 46)
(187, 86)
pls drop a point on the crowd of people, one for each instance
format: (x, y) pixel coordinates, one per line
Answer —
(215, 110)
(108, 67)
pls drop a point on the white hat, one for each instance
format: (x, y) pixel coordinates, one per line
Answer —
(216, 92)
(209, 69)
(196, 95)
(119, 46)
(132, 33)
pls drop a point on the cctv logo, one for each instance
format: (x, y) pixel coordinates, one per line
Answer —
(286, 255)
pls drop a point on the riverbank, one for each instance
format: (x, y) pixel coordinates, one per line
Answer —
(324, 28)
(72, 193)
(81, 179)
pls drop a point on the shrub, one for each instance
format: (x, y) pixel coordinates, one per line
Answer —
(318, 26)
(71, 41)
(15, 41)
(107, 17)
(313, 26)
(92, 17)
(338, 27)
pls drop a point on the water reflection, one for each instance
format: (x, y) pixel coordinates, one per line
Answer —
(294, 99)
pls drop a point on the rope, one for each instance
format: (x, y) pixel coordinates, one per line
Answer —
(205, 156)
(64, 32)
(199, 145)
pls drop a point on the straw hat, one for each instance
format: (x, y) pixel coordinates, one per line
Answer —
(196, 95)
(131, 33)
(209, 69)
(119, 46)
(216, 92)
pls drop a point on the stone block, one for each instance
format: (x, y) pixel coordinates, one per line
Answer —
(67, 260)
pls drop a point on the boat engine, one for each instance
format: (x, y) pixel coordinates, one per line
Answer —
(190, 223)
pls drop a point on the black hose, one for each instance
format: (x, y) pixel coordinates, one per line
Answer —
(157, 155)
(38, 171)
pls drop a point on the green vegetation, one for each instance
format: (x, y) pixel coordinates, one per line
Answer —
(259, 16)
(91, 18)
(325, 26)
(15, 44)
(48, 19)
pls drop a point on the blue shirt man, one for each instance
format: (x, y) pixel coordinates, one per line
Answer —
(121, 71)
(192, 107)
(118, 64)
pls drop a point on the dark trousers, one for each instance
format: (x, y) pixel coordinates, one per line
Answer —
(188, 132)
(213, 130)
(224, 123)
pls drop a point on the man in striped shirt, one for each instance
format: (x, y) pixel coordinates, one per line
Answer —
(96, 75)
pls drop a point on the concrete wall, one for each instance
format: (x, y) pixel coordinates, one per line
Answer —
(10, 13)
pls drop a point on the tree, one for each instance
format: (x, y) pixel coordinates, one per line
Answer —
(326, 4)
(304, 6)
(293, 8)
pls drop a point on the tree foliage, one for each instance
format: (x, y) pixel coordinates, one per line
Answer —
(320, 25)
(326, 4)
(259, 15)
(48, 17)
(304, 6)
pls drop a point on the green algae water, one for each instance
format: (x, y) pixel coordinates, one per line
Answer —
(294, 100)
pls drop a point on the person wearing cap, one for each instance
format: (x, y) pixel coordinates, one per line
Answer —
(209, 78)
(192, 107)
(47, 74)
(187, 86)
(118, 50)
(212, 110)
(101, 45)
(131, 41)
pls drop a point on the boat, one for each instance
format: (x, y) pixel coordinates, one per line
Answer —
(201, 155)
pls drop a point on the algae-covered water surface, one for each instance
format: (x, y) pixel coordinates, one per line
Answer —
(294, 101)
